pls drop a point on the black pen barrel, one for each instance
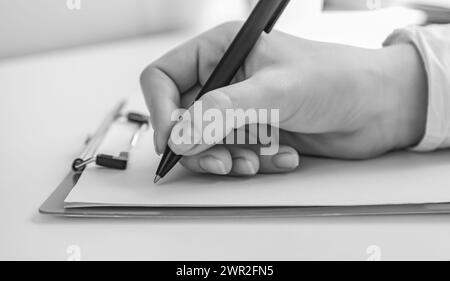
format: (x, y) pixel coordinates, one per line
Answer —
(262, 18)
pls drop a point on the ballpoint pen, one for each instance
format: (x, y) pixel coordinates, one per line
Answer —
(261, 19)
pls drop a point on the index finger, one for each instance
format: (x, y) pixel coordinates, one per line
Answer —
(176, 72)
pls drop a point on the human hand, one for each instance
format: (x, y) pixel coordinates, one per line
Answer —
(334, 100)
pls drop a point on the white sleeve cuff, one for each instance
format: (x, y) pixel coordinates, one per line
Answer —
(433, 43)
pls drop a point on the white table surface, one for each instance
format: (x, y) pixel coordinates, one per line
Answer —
(48, 103)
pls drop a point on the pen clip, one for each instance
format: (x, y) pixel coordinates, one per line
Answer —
(276, 16)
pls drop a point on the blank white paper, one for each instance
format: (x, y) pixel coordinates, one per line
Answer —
(399, 178)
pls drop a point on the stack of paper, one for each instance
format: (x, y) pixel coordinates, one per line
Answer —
(399, 178)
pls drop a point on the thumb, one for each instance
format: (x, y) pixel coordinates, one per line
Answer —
(216, 114)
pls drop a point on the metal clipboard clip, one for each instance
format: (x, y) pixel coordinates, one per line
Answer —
(89, 154)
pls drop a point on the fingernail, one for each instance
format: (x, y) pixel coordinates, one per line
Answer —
(212, 165)
(191, 128)
(243, 166)
(286, 160)
(184, 137)
(155, 143)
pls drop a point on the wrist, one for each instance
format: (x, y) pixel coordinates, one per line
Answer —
(404, 82)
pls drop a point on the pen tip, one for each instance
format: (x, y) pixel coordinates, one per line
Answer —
(157, 178)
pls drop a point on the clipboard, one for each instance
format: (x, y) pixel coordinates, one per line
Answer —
(54, 204)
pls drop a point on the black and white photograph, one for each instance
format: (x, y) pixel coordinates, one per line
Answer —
(225, 139)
